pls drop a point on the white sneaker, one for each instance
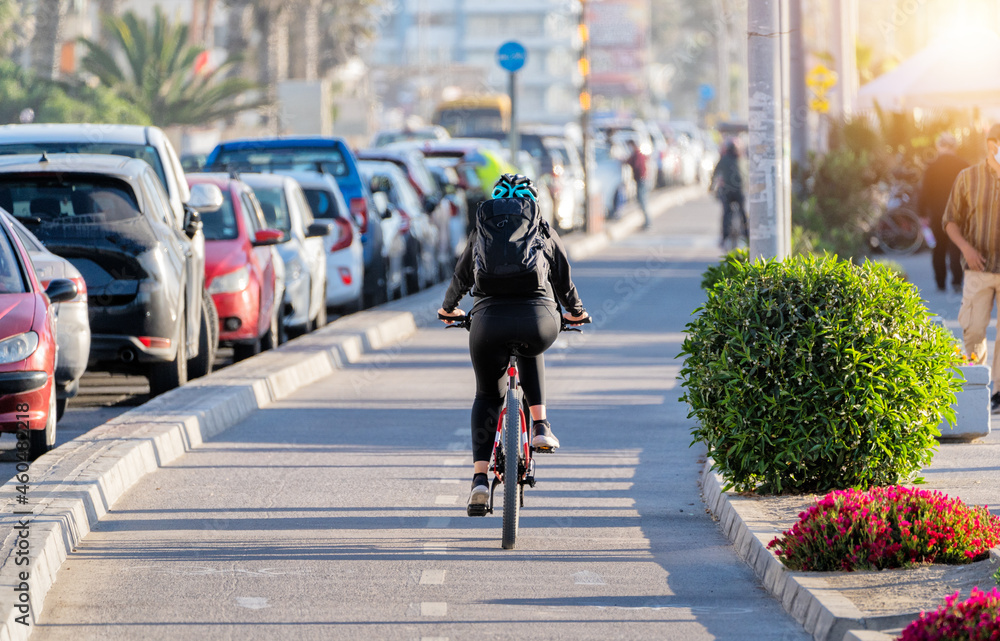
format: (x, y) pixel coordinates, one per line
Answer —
(479, 501)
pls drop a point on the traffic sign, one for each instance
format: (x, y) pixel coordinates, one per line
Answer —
(511, 56)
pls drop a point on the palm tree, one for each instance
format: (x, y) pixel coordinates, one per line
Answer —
(159, 73)
(49, 16)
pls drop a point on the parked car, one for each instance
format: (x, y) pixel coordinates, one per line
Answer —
(420, 262)
(285, 208)
(450, 183)
(429, 132)
(28, 345)
(465, 154)
(312, 153)
(110, 217)
(430, 194)
(345, 261)
(612, 176)
(151, 145)
(72, 320)
(243, 274)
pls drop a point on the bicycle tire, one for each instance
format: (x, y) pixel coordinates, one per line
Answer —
(511, 477)
(899, 232)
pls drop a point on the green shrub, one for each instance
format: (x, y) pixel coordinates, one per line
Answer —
(724, 268)
(811, 374)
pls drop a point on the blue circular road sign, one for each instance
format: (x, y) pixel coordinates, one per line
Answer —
(511, 55)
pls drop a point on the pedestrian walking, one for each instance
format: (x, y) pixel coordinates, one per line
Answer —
(728, 185)
(638, 161)
(938, 180)
(972, 221)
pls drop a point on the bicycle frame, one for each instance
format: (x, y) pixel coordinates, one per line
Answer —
(526, 463)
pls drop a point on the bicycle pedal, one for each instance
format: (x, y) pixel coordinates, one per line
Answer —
(529, 481)
(477, 510)
(543, 449)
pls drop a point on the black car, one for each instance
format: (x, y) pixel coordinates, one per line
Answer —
(111, 218)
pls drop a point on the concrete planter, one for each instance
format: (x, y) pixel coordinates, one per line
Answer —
(972, 407)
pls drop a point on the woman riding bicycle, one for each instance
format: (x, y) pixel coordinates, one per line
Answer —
(523, 315)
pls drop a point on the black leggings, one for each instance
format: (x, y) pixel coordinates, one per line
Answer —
(533, 326)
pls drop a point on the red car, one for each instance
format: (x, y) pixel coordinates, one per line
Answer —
(27, 347)
(243, 272)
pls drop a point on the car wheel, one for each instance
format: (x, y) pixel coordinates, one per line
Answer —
(243, 351)
(208, 340)
(412, 268)
(164, 377)
(41, 441)
(61, 404)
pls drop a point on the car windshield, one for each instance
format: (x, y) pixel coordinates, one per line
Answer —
(221, 223)
(67, 199)
(11, 274)
(142, 152)
(275, 208)
(322, 203)
(327, 159)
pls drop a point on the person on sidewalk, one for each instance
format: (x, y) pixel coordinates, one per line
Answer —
(728, 185)
(938, 180)
(639, 162)
(972, 222)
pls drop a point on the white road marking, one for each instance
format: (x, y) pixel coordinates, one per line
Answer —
(451, 481)
(454, 462)
(456, 447)
(436, 548)
(588, 578)
(439, 522)
(433, 609)
(252, 602)
(445, 499)
(432, 577)
(433, 638)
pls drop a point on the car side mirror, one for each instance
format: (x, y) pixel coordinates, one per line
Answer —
(319, 229)
(192, 222)
(265, 237)
(205, 198)
(381, 204)
(430, 202)
(61, 290)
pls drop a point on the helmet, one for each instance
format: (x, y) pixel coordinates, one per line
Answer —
(514, 186)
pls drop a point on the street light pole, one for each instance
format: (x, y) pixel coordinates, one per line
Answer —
(585, 102)
(769, 195)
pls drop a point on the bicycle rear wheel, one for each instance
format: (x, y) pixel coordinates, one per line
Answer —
(899, 232)
(511, 476)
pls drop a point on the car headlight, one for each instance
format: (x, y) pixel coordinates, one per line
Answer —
(235, 281)
(17, 348)
(294, 269)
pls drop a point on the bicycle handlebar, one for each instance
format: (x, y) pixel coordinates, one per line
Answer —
(465, 322)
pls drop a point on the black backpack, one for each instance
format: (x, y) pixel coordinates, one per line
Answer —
(509, 253)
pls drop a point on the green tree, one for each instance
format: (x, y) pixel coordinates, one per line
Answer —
(60, 102)
(159, 75)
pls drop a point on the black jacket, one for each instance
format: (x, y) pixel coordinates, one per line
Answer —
(938, 181)
(559, 287)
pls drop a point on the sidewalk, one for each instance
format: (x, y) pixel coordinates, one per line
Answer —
(871, 606)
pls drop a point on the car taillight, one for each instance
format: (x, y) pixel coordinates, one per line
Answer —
(359, 209)
(345, 234)
(345, 275)
(154, 342)
(404, 226)
(455, 211)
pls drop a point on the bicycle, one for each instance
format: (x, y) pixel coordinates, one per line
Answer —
(512, 435)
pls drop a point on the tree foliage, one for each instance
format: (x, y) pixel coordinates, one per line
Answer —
(158, 73)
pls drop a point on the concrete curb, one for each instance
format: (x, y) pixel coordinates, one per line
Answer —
(74, 486)
(806, 596)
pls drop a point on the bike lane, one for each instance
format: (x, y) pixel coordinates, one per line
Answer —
(339, 512)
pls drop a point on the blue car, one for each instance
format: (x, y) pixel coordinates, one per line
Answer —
(329, 155)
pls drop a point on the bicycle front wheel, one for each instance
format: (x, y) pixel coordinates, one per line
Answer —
(511, 473)
(899, 232)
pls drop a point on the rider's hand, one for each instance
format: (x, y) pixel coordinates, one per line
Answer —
(457, 314)
(575, 320)
(974, 259)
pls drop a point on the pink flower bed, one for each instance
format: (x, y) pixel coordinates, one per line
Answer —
(975, 619)
(886, 527)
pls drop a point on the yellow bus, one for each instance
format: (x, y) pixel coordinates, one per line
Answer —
(474, 115)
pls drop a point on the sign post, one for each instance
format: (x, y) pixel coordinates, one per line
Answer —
(512, 56)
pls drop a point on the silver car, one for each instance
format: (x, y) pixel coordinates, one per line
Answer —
(285, 208)
(72, 319)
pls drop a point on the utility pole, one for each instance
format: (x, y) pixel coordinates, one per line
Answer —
(797, 77)
(769, 195)
(722, 58)
(584, 33)
(845, 26)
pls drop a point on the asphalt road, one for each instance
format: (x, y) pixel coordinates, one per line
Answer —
(338, 513)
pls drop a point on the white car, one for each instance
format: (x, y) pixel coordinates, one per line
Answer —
(345, 261)
(285, 208)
